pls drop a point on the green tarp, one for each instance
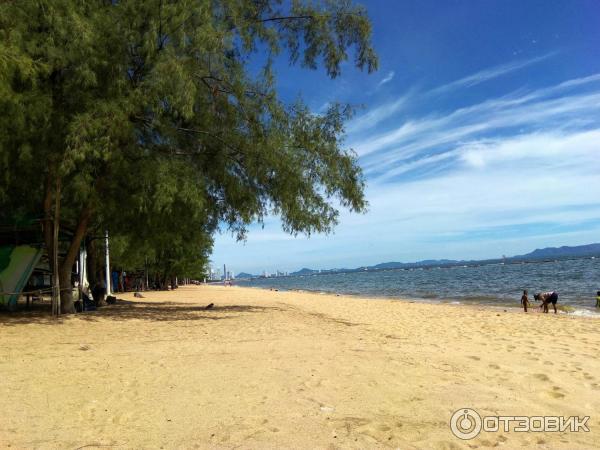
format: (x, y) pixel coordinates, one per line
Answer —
(16, 265)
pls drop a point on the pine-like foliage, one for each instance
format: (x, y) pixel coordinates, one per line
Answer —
(151, 119)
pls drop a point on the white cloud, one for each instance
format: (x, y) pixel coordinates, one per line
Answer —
(385, 111)
(389, 77)
(384, 154)
(489, 74)
(371, 119)
(530, 179)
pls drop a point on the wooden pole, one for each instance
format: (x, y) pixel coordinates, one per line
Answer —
(107, 262)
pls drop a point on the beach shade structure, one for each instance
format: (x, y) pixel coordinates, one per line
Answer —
(23, 253)
(16, 266)
(21, 247)
(22, 250)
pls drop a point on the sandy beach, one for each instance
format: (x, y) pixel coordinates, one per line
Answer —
(266, 369)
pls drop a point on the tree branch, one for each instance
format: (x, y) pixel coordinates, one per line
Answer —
(274, 19)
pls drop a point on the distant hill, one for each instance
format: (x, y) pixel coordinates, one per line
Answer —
(244, 275)
(543, 253)
(562, 252)
(426, 262)
(304, 271)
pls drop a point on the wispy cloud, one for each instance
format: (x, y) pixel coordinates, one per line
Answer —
(389, 77)
(513, 114)
(372, 118)
(491, 73)
(517, 170)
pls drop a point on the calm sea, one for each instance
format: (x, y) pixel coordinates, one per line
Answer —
(576, 281)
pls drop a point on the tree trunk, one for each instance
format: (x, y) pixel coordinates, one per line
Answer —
(95, 273)
(50, 228)
(66, 291)
(48, 224)
(66, 294)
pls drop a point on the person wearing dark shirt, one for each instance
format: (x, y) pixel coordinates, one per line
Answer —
(547, 298)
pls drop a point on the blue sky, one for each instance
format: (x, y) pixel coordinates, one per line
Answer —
(479, 136)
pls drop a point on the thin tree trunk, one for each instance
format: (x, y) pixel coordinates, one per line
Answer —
(66, 297)
(95, 272)
(55, 274)
(48, 224)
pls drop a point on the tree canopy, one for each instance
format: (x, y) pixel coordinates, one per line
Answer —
(147, 118)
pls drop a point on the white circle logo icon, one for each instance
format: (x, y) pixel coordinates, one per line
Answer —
(465, 423)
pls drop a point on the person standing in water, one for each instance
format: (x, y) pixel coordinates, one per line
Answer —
(525, 300)
(545, 298)
(598, 299)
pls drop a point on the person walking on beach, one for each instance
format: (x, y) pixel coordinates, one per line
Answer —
(525, 300)
(545, 298)
(598, 299)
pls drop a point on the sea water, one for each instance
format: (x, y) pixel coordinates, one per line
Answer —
(575, 280)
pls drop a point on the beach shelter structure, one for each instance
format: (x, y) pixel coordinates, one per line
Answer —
(23, 251)
(21, 248)
(17, 263)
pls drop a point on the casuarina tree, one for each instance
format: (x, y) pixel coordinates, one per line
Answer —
(138, 116)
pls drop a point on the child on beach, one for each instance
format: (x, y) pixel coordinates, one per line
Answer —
(525, 300)
(598, 299)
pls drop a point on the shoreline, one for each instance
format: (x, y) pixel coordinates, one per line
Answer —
(266, 369)
(588, 313)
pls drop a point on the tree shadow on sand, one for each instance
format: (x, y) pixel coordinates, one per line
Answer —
(129, 310)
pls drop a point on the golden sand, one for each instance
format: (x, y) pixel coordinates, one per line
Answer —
(268, 369)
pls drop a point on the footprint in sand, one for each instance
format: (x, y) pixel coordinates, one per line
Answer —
(555, 392)
(475, 358)
(494, 366)
(541, 377)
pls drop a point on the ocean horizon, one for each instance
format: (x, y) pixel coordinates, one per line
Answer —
(496, 284)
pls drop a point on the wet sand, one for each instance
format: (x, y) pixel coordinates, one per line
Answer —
(266, 369)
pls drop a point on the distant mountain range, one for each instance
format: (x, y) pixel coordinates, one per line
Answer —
(562, 252)
(538, 254)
